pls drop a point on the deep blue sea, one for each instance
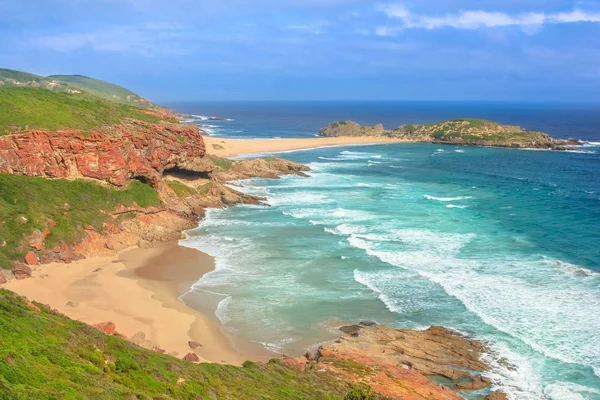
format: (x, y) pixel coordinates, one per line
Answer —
(501, 244)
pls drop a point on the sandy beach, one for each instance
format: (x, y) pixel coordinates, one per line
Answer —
(138, 291)
(234, 147)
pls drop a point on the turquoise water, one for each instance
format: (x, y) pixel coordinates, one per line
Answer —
(500, 244)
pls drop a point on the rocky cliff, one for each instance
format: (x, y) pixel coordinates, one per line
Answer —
(468, 131)
(169, 157)
(113, 154)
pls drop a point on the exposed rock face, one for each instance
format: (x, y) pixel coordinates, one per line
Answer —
(117, 153)
(108, 328)
(472, 132)
(395, 363)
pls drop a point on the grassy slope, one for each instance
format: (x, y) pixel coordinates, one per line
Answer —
(106, 90)
(44, 355)
(39, 199)
(9, 76)
(474, 130)
(22, 107)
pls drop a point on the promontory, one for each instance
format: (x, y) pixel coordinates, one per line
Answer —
(462, 131)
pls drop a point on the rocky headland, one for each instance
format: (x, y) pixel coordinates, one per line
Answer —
(404, 364)
(466, 131)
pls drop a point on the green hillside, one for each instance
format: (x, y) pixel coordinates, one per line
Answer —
(106, 90)
(10, 78)
(44, 355)
(27, 203)
(23, 108)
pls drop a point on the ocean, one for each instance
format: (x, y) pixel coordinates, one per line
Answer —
(501, 244)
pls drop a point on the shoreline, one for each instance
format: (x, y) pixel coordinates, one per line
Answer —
(224, 147)
(138, 290)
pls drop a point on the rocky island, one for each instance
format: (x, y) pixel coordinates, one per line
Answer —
(463, 131)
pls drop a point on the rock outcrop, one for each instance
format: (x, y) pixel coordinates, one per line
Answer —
(113, 154)
(351, 128)
(399, 364)
(468, 131)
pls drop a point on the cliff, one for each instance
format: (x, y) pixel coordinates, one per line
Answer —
(122, 185)
(470, 132)
(114, 154)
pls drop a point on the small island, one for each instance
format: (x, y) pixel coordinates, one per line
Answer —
(461, 131)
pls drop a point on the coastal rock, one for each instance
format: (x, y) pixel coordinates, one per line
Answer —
(134, 149)
(108, 328)
(72, 304)
(31, 258)
(497, 395)
(21, 271)
(191, 357)
(408, 356)
(194, 345)
(37, 238)
(2, 278)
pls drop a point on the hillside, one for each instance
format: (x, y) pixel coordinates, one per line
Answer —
(10, 78)
(106, 90)
(45, 355)
(467, 131)
(26, 108)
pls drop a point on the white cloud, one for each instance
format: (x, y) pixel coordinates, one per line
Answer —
(476, 19)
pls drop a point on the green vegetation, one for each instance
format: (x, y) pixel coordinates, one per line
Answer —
(44, 355)
(359, 394)
(222, 163)
(106, 90)
(9, 77)
(27, 108)
(180, 189)
(27, 203)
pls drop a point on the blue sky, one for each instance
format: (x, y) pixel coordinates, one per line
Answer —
(314, 49)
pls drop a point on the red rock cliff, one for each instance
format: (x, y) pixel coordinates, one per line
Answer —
(114, 154)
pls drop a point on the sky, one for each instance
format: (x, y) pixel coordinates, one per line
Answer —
(213, 50)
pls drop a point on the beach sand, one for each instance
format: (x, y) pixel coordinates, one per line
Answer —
(138, 291)
(234, 147)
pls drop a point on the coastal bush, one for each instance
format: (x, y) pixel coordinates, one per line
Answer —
(45, 355)
(222, 163)
(29, 203)
(180, 189)
(359, 394)
(25, 108)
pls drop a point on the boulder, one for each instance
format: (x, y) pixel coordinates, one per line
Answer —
(21, 271)
(497, 395)
(191, 357)
(108, 328)
(351, 330)
(31, 258)
(194, 345)
(72, 304)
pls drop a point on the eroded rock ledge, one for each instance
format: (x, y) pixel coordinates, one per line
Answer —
(404, 364)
